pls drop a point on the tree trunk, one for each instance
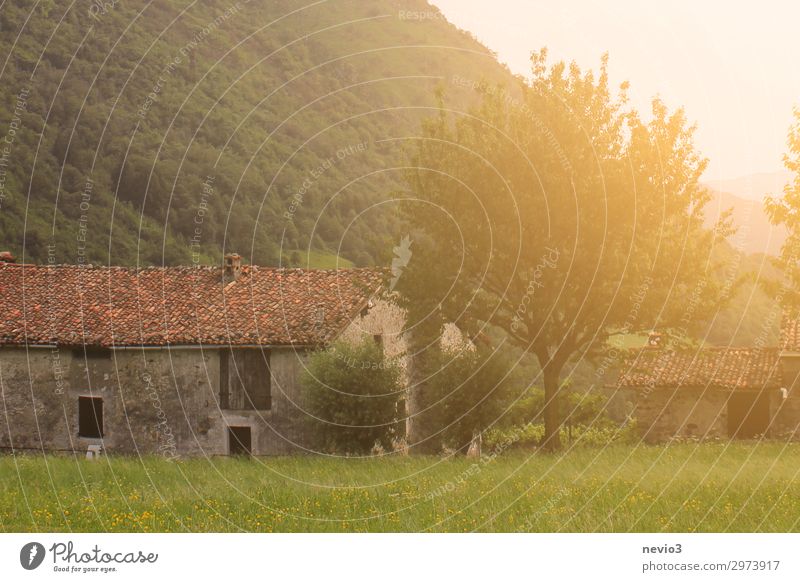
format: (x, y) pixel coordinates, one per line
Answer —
(418, 433)
(552, 418)
(423, 340)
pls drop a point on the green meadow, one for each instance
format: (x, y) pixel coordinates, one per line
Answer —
(680, 488)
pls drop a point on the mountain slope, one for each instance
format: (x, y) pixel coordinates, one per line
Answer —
(755, 233)
(163, 132)
(753, 186)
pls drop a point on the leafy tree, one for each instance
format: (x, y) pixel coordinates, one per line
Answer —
(786, 211)
(466, 393)
(354, 398)
(555, 212)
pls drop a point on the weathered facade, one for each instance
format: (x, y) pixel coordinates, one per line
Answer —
(712, 393)
(173, 361)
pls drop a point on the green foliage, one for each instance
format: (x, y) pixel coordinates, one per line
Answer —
(316, 260)
(574, 205)
(575, 408)
(465, 393)
(280, 106)
(354, 398)
(582, 435)
(582, 415)
(785, 210)
(752, 317)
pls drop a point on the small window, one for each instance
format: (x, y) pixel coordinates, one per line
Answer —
(90, 417)
(378, 339)
(245, 380)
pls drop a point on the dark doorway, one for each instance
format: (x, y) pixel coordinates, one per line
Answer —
(239, 440)
(90, 417)
(748, 415)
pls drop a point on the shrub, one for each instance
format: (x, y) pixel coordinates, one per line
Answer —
(464, 393)
(531, 435)
(354, 398)
(583, 416)
(576, 408)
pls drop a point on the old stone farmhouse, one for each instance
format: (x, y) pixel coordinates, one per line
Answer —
(715, 392)
(172, 360)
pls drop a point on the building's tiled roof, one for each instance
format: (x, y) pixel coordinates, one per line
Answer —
(115, 306)
(790, 333)
(720, 368)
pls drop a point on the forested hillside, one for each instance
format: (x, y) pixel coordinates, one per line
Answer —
(164, 132)
(168, 132)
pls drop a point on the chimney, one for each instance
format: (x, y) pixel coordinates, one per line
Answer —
(232, 267)
(7, 257)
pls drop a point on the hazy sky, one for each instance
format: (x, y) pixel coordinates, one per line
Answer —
(734, 66)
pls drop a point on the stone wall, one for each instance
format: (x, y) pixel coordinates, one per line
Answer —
(386, 320)
(279, 430)
(155, 401)
(786, 422)
(663, 414)
(34, 393)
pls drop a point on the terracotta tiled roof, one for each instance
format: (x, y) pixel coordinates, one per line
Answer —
(790, 333)
(116, 306)
(721, 368)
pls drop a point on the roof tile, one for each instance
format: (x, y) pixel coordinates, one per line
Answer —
(118, 306)
(790, 333)
(721, 368)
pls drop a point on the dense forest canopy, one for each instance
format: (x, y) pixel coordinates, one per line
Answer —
(164, 132)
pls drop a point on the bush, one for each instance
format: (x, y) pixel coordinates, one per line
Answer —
(354, 397)
(583, 416)
(464, 393)
(531, 435)
(576, 408)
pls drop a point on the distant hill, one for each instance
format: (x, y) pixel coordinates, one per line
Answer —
(754, 186)
(755, 232)
(161, 132)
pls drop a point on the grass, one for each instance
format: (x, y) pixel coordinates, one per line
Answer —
(708, 487)
(321, 260)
